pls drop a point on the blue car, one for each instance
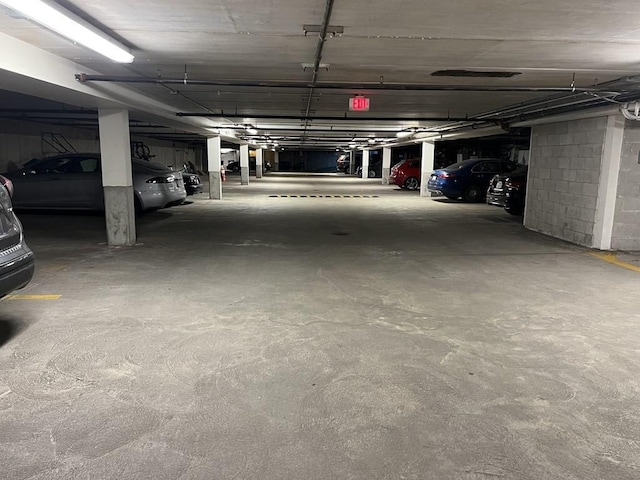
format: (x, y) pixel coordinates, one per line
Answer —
(468, 179)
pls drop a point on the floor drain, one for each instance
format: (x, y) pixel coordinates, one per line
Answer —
(341, 234)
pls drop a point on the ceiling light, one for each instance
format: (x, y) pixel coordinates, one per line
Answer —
(252, 131)
(407, 132)
(65, 23)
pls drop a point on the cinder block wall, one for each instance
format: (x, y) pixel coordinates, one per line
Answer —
(626, 225)
(22, 141)
(564, 173)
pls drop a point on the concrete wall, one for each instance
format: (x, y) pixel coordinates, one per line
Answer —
(564, 175)
(626, 226)
(22, 141)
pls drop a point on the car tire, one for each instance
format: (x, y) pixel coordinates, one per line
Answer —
(473, 194)
(411, 183)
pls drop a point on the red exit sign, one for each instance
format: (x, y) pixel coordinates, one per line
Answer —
(359, 104)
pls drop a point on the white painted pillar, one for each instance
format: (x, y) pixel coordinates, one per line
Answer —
(428, 162)
(365, 164)
(244, 164)
(608, 187)
(117, 179)
(214, 160)
(386, 165)
(259, 162)
(276, 161)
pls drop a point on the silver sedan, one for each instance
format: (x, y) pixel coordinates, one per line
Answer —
(74, 181)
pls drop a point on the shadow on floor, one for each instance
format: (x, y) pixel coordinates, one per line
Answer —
(9, 329)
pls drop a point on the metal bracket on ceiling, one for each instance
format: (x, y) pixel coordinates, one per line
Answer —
(332, 30)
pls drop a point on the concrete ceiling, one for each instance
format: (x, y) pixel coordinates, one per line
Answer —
(230, 63)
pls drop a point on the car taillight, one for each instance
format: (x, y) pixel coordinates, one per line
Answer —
(167, 179)
(446, 175)
(514, 183)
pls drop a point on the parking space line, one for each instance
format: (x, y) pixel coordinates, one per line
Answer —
(612, 258)
(33, 297)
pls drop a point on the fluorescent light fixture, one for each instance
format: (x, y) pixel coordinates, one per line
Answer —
(405, 133)
(65, 23)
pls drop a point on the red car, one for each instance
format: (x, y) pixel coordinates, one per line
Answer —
(406, 174)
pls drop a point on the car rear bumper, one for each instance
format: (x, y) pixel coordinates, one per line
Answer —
(193, 189)
(17, 272)
(497, 199)
(160, 196)
(444, 189)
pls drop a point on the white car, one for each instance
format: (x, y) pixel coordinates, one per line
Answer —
(73, 181)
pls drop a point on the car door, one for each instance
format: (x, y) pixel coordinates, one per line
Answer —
(41, 185)
(83, 182)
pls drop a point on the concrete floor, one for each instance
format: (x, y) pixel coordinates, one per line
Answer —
(259, 337)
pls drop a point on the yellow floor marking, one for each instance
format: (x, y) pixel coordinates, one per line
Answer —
(33, 297)
(612, 258)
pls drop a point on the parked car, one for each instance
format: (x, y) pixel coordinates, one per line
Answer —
(375, 169)
(233, 166)
(17, 262)
(342, 164)
(191, 179)
(406, 174)
(192, 183)
(468, 179)
(74, 181)
(509, 190)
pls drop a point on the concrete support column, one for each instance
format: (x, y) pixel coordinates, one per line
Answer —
(365, 164)
(244, 164)
(214, 160)
(608, 186)
(386, 165)
(352, 162)
(428, 162)
(259, 162)
(117, 179)
(276, 162)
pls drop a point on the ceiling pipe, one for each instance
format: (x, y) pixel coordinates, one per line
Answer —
(317, 59)
(83, 77)
(329, 118)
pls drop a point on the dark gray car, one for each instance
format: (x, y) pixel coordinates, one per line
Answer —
(17, 262)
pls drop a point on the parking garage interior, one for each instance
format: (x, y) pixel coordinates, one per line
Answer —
(305, 321)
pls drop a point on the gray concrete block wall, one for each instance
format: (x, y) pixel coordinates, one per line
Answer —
(21, 141)
(626, 225)
(564, 175)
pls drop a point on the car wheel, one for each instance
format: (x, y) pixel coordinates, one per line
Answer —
(473, 194)
(411, 183)
(372, 173)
